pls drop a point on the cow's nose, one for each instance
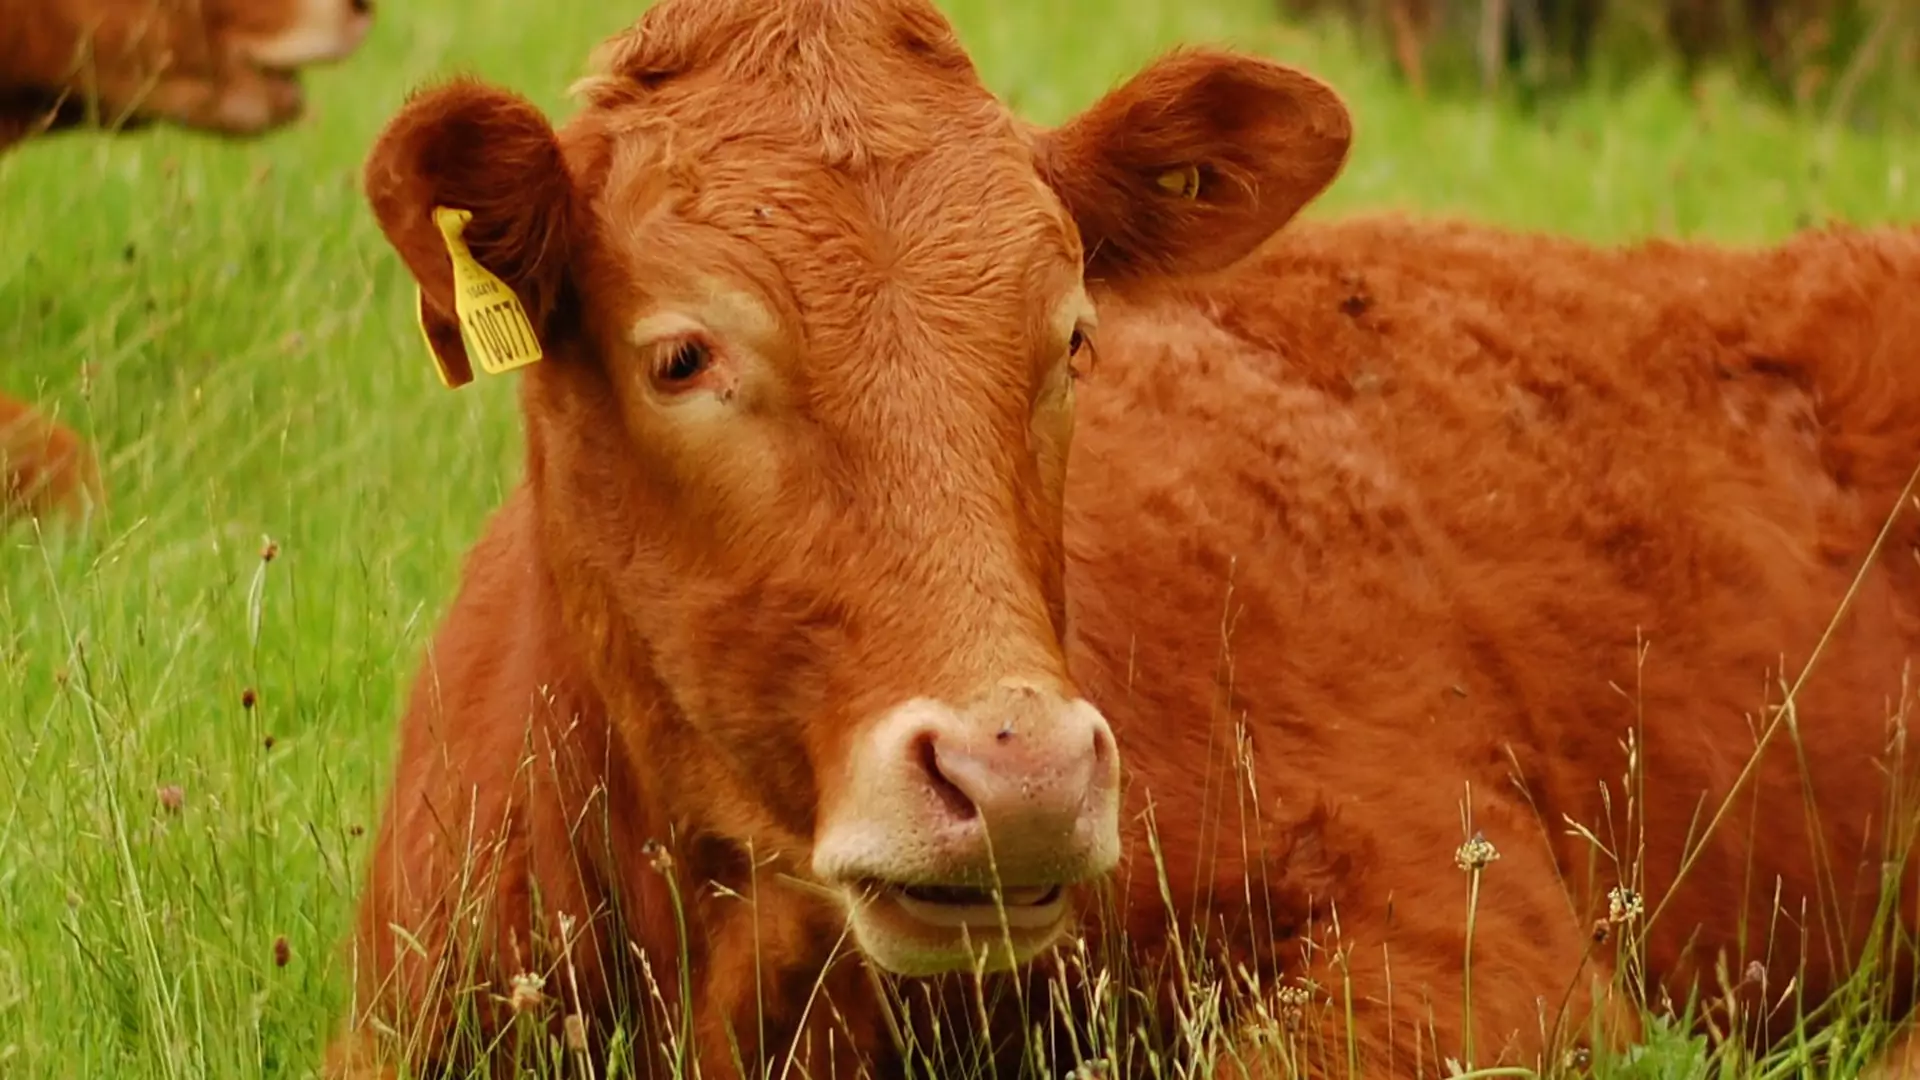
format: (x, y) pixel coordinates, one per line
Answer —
(361, 7)
(1030, 779)
(1019, 787)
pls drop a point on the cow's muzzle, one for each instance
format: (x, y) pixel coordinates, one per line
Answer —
(959, 833)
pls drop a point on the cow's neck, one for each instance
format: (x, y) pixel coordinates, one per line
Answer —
(683, 889)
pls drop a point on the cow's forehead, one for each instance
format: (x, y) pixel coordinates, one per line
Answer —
(957, 247)
(928, 199)
(928, 264)
(842, 162)
(958, 201)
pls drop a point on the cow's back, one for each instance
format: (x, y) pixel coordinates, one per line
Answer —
(1395, 509)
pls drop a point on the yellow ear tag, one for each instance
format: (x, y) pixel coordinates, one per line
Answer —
(1183, 181)
(493, 325)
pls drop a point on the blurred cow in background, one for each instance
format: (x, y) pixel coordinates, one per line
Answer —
(225, 66)
(1507, 31)
(45, 468)
(1778, 38)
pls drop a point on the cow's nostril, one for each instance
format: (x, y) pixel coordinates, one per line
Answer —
(361, 7)
(950, 794)
(1103, 750)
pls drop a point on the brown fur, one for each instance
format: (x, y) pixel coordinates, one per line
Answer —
(224, 66)
(1376, 525)
(46, 470)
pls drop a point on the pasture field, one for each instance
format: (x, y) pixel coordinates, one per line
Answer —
(225, 322)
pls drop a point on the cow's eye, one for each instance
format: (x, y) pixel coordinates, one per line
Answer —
(1079, 353)
(685, 362)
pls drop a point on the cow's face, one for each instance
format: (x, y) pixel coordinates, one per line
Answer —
(285, 35)
(815, 307)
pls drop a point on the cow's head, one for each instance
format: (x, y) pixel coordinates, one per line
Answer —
(813, 306)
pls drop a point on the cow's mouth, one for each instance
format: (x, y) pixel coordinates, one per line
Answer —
(923, 929)
(1031, 908)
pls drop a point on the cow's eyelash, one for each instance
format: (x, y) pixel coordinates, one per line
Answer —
(678, 362)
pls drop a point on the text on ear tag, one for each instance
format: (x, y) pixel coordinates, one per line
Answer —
(1183, 181)
(494, 326)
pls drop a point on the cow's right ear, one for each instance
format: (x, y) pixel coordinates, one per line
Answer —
(467, 147)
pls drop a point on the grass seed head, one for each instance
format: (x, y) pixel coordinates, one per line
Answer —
(526, 995)
(1475, 854)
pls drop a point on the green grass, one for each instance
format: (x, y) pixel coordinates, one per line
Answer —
(226, 324)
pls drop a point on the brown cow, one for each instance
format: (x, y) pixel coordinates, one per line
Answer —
(46, 469)
(799, 631)
(223, 66)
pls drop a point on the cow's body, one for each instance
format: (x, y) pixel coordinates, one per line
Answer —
(1387, 534)
(1455, 511)
(223, 66)
(46, 469)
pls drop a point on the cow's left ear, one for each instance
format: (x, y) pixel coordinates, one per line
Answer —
(1194, 161)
